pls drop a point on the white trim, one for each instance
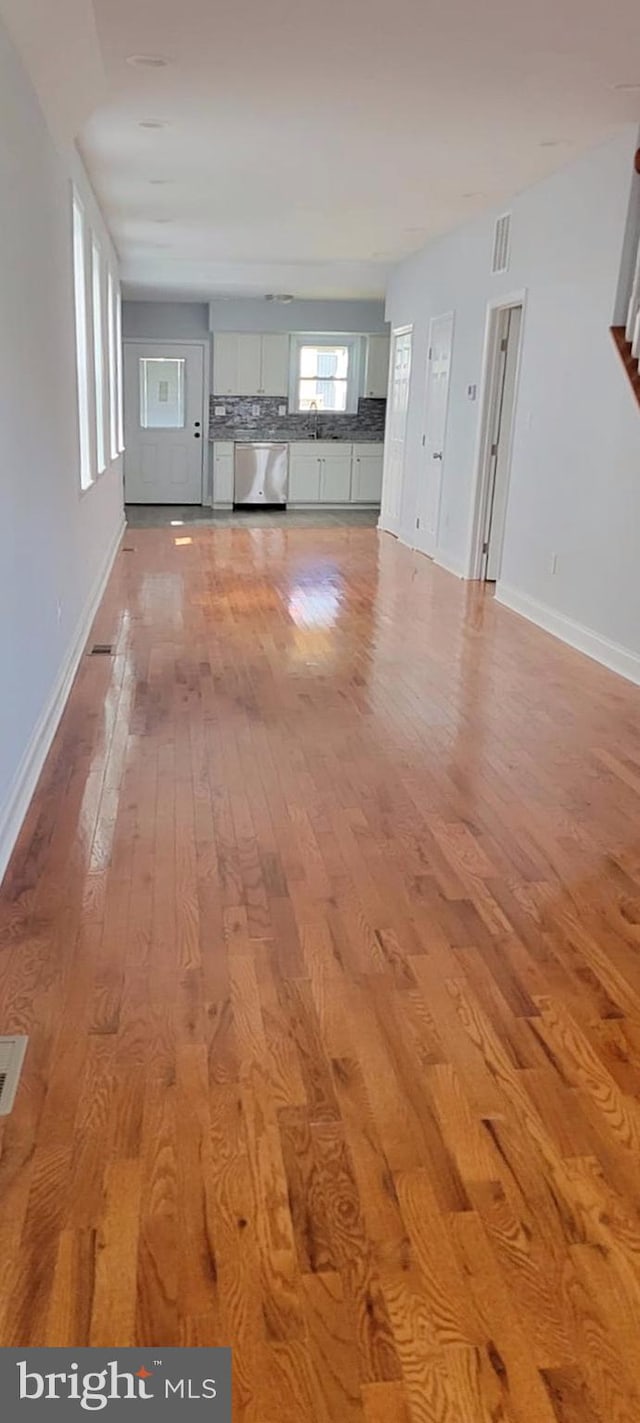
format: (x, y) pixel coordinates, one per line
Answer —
(611, 654)
(473, 563)
(443, 561)
(12, 814)
(450, 565)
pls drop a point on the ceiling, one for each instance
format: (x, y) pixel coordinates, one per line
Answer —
(307, 145)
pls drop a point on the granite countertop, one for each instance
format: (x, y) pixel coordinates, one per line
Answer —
(270, 437)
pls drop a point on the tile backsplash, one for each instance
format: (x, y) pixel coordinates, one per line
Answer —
(239, 422)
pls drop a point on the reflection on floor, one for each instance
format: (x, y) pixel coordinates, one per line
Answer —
(325, 928)
(156, 516)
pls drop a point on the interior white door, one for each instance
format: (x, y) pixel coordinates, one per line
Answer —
(395, 437)
(435, 429)
(165, 431)
(508, 346)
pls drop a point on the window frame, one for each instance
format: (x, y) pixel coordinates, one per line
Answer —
(355, 368)
(113, 364)
(99, 334)
(119, 370)
(83, 344)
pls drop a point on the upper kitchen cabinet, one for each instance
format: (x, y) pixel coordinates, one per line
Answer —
(377, 376)
(274, 365)
(251, 364)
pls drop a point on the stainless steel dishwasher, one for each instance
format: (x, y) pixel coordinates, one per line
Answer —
(261, 474)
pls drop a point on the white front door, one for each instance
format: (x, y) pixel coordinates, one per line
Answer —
(395, 436)
(435, 426)
(165, 431)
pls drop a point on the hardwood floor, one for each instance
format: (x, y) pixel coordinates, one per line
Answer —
(325, 928)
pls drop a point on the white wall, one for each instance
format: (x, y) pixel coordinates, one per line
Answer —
(256, 314)
(575, 482)
(165, 320)
(56, 542)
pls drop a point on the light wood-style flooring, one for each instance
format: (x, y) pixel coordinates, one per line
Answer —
(325, 929)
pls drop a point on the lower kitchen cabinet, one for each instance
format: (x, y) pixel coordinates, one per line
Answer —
(320, 472)
(366, 481)
(304, 475)
(335, 476)
(223, 451)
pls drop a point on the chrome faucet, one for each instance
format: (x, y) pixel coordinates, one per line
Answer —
(314, 406)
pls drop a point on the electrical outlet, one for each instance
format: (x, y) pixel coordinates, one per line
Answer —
(220, 409)
(255, 409)
(282, 410)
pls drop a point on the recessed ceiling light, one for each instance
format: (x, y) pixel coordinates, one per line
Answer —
(283, 297)
(160, 182)
(162, 219)
(627, 88)
(153, 123)
(473, 195)
(147, 61)
(550, 142)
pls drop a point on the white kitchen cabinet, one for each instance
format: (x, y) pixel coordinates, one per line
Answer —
(249, 368)
(366, 474)
(274, 363)
(223, 452)
(319, 473)
(304, 474)
(250, 364)
(377, 377)
(335, 475)
(225, 364)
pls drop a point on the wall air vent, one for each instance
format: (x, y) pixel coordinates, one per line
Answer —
(12, 1051)
(101, 649)
(502, 244)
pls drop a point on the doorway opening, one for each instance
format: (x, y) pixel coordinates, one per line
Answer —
(502, 362)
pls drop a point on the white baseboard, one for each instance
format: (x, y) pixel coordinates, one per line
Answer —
(619, 659)
(449, 564)
(12, 814)
(441, 559)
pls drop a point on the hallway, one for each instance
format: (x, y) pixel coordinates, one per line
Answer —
(324, 927)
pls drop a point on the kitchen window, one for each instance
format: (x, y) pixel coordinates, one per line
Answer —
(325, 373)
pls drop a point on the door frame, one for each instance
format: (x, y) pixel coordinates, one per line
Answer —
(407, 330)
(440, 316)
(205, 346)
(482, 458)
